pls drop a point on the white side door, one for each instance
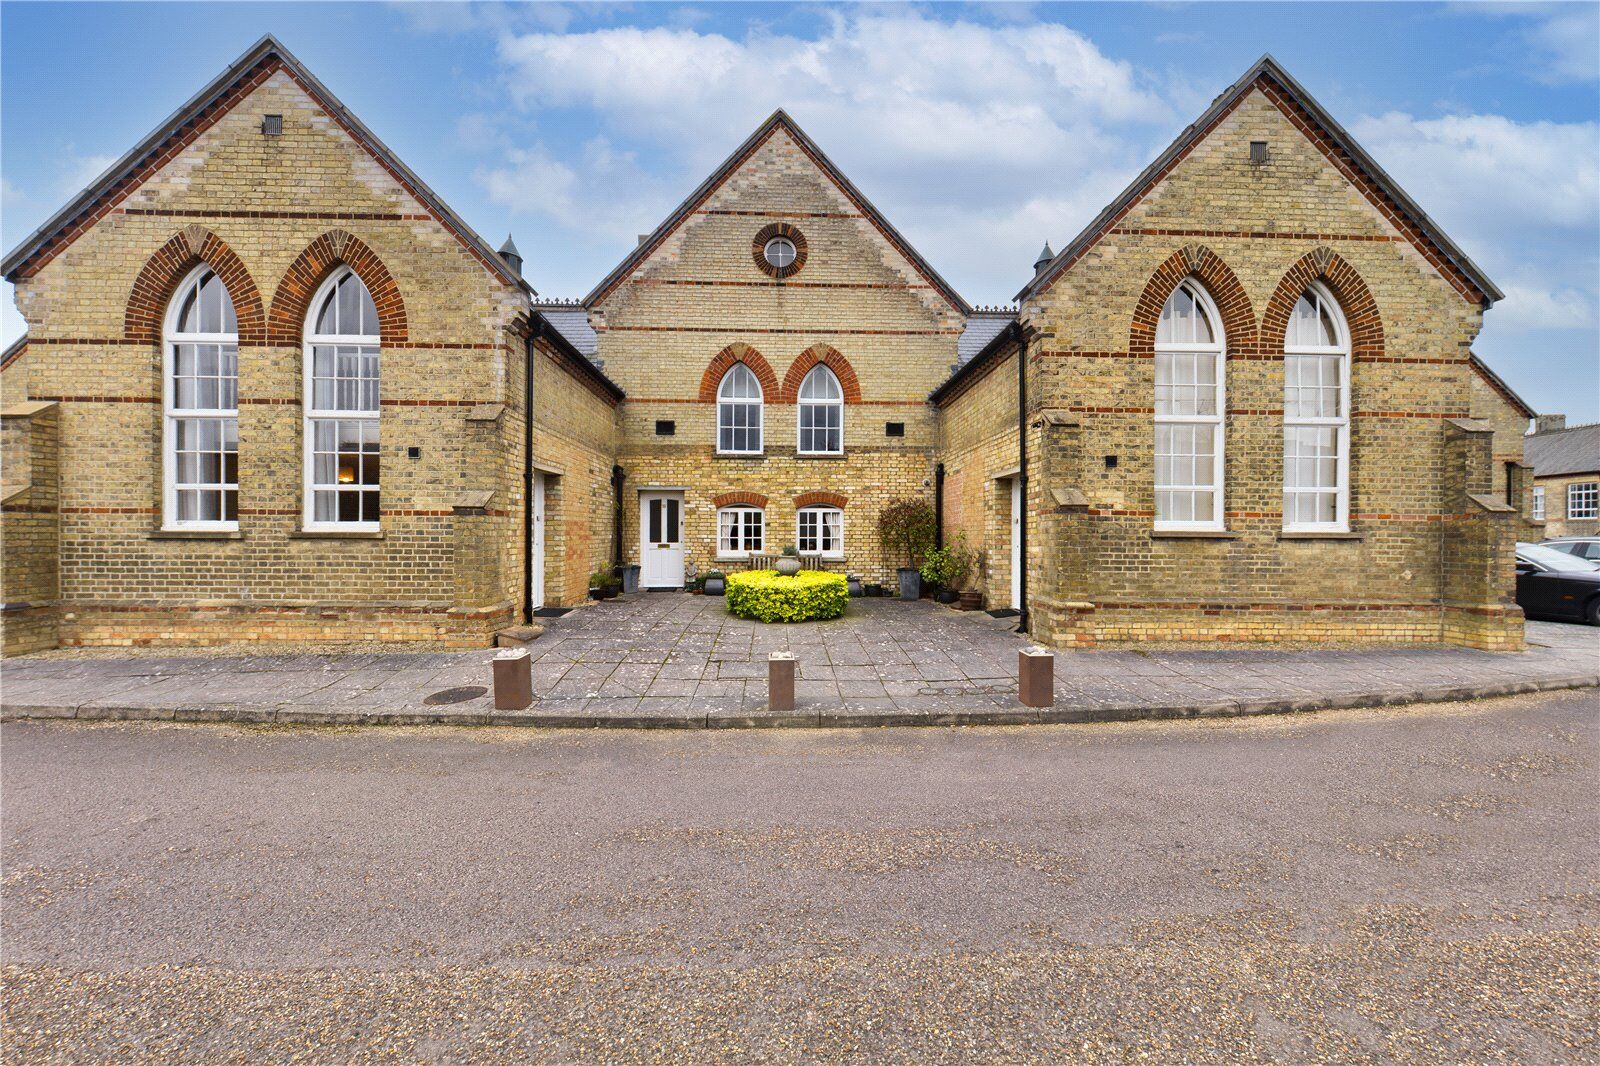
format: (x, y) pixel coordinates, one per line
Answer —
(1016, 544)
(536, 562)
(661, 540)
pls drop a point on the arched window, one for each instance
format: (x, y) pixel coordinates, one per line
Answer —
(1316, 415)
(341, 398)
(201, 399)
(739, 412)
(740, 531)
(1190, 402)
(820, 531)
(821, 414)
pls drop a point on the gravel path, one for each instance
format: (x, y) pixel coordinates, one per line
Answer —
(1360, 885)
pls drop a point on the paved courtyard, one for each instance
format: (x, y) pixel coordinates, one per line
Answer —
(679, 660)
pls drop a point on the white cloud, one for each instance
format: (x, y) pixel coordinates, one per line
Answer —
(1568, 39)
(605, 194)
(77, 171)
(1538, 306)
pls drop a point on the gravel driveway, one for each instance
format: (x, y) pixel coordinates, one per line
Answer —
(1417, 885)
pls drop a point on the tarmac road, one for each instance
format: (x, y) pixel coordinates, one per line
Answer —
(1416, 884)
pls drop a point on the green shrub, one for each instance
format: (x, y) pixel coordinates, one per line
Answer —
(767, 596)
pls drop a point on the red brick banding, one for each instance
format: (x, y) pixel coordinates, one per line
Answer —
(287, 318)
(820, 499)
(849, 384)
(1355, 300)
(738, 352)
(739, 499)
(1205, 266)
(758, 248)
(158, 279)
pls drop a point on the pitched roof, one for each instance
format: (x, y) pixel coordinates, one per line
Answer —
(981, 328)
(263, 58)
(779, 120)
(1347, 155)
(1497, 383)
(571, 320)
(974, 366)
(1574, 450)
(579, 361)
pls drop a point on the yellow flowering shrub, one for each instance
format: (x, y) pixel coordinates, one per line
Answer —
(768, 596)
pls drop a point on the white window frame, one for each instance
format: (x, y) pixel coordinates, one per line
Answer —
(801, 403)
(737, 515)
(768, 257)
(171, 415)
(820, 511)
(313, 414)
(1591, 489)
(1538, 503)
(759, 401)
(1217, 422)
(1340, 423)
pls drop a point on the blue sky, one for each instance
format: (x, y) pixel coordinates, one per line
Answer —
(981, 130)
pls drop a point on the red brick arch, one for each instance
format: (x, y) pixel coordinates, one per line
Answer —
(1355, 300)
(739, 499)
(1201, 263)
(849, 384)
(290, 304)
(738, 352)
(820, 499)
(146, 313)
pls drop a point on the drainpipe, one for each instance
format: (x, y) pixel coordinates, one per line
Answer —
(617, 478)
(938, 506)
(527, 470)
(1022, 475)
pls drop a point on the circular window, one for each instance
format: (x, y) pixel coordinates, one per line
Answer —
(780, 253)
(779, 250)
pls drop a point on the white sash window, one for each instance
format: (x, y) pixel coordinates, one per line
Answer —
(1316, 416)
(201, 400)
(740, 531)
(820, 531)
(1190, 402)
(739, 412)
(341, 398)
(821, 413)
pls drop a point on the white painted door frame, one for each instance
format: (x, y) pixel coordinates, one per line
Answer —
(536, 559)
(660, 539)
(1016, 544)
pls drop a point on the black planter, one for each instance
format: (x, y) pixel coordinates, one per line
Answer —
(946, 596)
(873, 590)
(715, 586)
(910, 583)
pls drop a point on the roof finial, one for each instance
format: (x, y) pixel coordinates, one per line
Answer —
(513, 258)
(1044, 258)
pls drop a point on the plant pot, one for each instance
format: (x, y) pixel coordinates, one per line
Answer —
(971, 600)
(715, 586)
(630, 578)
(946, 596)
(854, 584)
(787, 565)
(910, 583)
(873, 590)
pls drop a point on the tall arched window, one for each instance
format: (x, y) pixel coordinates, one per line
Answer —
(1190, 402)
(201, 400)
(341, 398)
(1316, 415)
(821, 414)
(739, 412)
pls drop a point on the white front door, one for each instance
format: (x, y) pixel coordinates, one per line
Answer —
(536, 560)
(1016, 544)
(661, 540)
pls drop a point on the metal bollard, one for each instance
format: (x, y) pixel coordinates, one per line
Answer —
(513, 679)
(1036, 682)
(780, 681)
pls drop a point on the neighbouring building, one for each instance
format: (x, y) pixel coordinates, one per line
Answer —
(1566, 476)
(274, 387)
(1496, 403)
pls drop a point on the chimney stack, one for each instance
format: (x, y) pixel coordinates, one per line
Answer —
(1549, 423)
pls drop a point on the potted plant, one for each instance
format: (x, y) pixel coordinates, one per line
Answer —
(715, 583)
(603, 584)
(905, 531)
(788, 563)
(946, 568)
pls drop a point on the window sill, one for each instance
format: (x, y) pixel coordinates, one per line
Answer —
(1318, 534)
(196, 534)
(741, 455)
(819, 455)
(336, 534)
(1193, 534)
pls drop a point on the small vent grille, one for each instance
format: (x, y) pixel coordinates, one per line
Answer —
(272, 125)
(1259, 154)
(894, 429)
(666, 427)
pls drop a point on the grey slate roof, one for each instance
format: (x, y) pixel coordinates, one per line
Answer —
(1574, 450)
(268, 47)
(1268, 67)
(982, 328)
(571, 320)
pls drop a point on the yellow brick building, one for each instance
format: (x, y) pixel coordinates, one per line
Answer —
(379, 431)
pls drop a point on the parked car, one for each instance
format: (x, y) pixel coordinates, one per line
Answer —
(1555, 584)
(1582, 547)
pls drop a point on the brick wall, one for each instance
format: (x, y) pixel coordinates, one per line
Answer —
(699, 301)
(1556, 522)
(29, 547)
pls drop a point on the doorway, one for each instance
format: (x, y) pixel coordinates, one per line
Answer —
(661, 540)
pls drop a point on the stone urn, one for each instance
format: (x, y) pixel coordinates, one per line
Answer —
(788, 565)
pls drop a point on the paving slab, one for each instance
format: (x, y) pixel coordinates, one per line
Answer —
(679, 661)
